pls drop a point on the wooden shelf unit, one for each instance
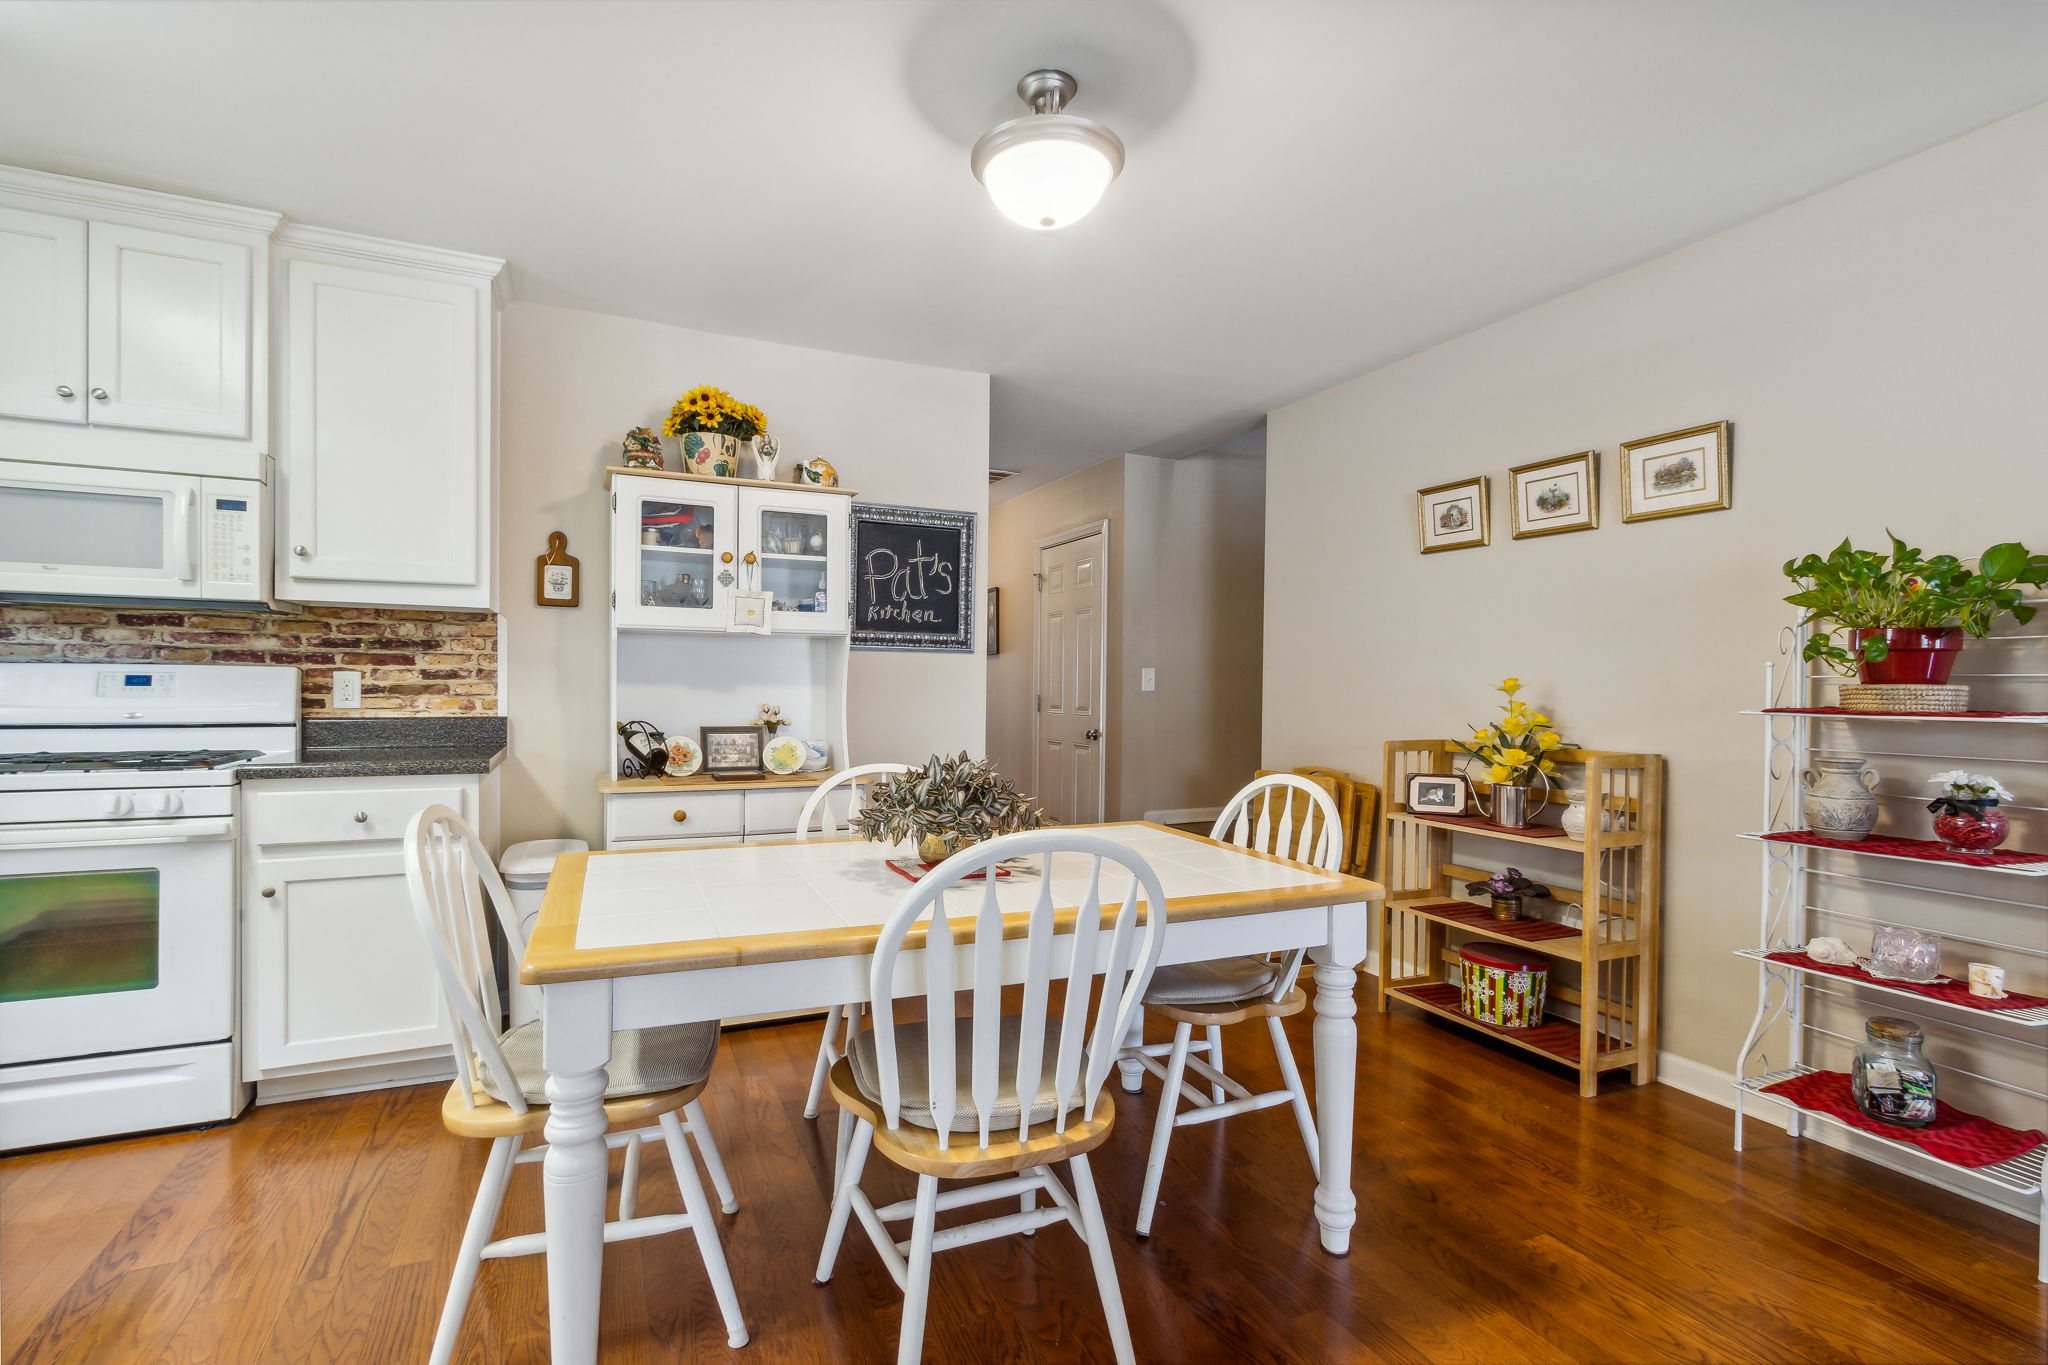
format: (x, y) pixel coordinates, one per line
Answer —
(1614, 948)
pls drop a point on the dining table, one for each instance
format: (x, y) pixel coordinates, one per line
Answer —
(642, 938)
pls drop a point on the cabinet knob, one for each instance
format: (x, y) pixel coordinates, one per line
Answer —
(269, 892)
(301, 551)
(362, 817)
(680, 816)
(726, 557)
(65, 391)
(750, 556)
(100, 394)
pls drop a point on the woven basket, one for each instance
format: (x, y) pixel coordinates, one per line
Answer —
(1903, 697)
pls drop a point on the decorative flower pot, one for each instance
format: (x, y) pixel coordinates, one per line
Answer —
(1838, 800)
(1512, 808)
(711, 452)
(1917, 656)
(1972, 833)
(936, 848)
(1507, 907)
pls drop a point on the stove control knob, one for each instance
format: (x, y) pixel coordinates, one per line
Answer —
(169, 803)
(118, 803)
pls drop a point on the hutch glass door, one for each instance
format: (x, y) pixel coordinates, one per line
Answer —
(675, 560)
(798, 550)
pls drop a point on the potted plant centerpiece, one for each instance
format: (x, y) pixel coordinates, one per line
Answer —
(1508, 890)
(945, 806)
(1516, 750)
(1966, 814)
(711, 424)
(1905, 615)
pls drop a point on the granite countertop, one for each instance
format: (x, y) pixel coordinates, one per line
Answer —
(424, 746)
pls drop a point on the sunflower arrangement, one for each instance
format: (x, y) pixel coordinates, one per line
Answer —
(707, 409)
(1516, 748)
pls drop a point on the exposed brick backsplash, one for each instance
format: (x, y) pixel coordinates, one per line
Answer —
(423, 661)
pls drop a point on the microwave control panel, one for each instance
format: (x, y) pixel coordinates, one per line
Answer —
(230, 540)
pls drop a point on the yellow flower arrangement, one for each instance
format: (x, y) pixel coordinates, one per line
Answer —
(705, 408)
(1515, 748)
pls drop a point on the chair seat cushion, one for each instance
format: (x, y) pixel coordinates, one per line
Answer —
(643, 1060)
(913, 1073)
(1219, 982)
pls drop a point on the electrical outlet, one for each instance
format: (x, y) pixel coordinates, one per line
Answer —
(348, 690)
(1148, 680)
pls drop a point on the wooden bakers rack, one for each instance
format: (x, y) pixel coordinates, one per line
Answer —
(1610, 938)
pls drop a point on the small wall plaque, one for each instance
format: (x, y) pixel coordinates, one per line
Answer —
(557, 575)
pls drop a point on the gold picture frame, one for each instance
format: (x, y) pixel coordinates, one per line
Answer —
(1453, 516)
(1552, 497)
(1677, 473)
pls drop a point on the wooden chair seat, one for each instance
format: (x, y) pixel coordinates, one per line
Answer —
(917, 1149)
(1235, 1011)
(494, 1119)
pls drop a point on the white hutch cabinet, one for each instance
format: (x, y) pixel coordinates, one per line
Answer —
(681, 546)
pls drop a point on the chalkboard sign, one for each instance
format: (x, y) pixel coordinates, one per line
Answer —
(912, 579)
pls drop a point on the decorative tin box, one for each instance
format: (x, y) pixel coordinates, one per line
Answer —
(1502, 985)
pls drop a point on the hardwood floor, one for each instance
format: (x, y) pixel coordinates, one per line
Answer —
(1501, 1219)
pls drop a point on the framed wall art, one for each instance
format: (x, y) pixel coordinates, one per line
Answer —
(1675, 474)
(1452, 516)
(913, 578)
(994, 627)
(1553, 496)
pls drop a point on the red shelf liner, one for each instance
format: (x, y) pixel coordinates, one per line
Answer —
(1476, 822)
(1558, 1037)
(1845, 711)
(1927, 850)
(1955, 1136)
(1948, 990)
(1479, 917)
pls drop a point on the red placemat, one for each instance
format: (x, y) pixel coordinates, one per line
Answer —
(1483, 824)
(911, 870)
(1529, 929)
(1948, 990)
(1925, 849)
(1954, 1136)
(1845, 711)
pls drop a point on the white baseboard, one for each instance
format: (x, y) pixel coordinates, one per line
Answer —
(1184, 815)
(1718, 1086)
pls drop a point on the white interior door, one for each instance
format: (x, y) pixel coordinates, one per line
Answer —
(1071, 640)
(169, 332)
(42, 316)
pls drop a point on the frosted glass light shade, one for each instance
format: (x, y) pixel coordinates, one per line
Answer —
(1045, 171)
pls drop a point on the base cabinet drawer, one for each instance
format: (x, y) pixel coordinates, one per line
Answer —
(675, 815)
(346, 814)
(776, 812)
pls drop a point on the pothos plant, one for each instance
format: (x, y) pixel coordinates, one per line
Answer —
(1863, 590)
(949, 802)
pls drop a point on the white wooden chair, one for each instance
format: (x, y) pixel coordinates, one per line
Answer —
(830, 1048)
(499, 1081)
(992, 1094)
(1209, 995)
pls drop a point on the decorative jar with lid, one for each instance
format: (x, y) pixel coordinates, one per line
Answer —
(1892, 1080)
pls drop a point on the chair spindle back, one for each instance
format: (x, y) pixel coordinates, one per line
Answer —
(859, 779)
(1266, 816)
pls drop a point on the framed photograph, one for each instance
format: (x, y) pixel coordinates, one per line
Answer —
(731, 750)
(995, 621)
(1437, 794)
(1675, 474)
(1554, 496)
(1452, 516)
(913, 578)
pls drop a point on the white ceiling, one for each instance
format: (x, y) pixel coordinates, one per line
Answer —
(1313, 189)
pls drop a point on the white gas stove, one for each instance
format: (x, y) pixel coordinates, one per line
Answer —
(117, 890)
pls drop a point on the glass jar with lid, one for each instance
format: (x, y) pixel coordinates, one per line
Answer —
(1892, 1080)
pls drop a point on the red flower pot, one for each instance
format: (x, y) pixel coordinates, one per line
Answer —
(1972, 833)
(1917, 656)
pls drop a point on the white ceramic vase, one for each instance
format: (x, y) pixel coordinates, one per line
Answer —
(1839, 802)
(1573, 821)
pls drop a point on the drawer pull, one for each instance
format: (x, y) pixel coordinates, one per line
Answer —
(362, 817)
(680, 816)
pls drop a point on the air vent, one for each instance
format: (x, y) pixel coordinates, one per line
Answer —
(998, 475)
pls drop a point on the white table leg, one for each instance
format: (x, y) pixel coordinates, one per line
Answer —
(576, 1042)
(1336, 1039)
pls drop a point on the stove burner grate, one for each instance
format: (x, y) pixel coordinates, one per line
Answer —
(139, 760)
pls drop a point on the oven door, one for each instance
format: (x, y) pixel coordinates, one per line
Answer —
(115, 936)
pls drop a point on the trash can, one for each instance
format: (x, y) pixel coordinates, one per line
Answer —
(525, 868)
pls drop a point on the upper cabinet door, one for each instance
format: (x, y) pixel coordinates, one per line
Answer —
(796, 549)
(675, 553)
(169, 332)
(42, 316)
(385, 453)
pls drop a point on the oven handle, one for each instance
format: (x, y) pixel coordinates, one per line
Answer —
(46, 837)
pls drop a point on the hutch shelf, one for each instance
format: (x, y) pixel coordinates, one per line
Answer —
(1613, 947)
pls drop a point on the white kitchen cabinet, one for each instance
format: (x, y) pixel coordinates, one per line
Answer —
(794, 545)
(681, 546)
(337, 986)
(42, 323)
(387, 432)
(680, 815)
(168, 331)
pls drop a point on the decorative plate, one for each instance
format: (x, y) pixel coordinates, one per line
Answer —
(783, 756)
(684, 757)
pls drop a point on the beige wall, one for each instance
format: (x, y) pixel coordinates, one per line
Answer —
(573, 383)
(1881, 351)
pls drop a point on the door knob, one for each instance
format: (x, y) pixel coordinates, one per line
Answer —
(100, 394)
(64, 391)
(269, 892)
(362, 817)
(1092, 734)
(301, 551)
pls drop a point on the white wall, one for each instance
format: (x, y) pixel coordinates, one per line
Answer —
(573, 384)
(1882, 350)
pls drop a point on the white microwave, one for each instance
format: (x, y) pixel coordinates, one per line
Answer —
(82, 531)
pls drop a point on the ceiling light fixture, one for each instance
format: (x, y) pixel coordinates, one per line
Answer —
(1047, 169)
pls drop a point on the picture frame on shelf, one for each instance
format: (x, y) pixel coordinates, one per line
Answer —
(1437, 794)
(731, 750)
(1677, 473)
(1453, 516)
(1551, 497)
